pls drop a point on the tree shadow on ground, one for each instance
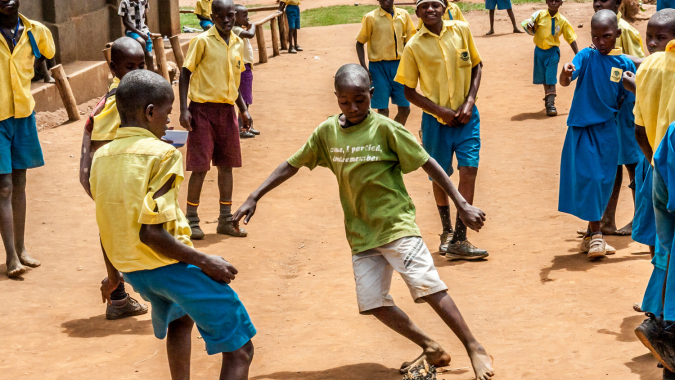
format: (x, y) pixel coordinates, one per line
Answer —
(645, 366)
(627, 326)
(361, 371)
(578, 262)
(99, 326)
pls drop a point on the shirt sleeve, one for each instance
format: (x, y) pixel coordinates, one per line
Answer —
(411, 155)
(568, 32)
(45, 42)
(458, 15)
(123, 9)
(637, 111)
(194, 54)
(163, 209)
(633, 43)
(409, 27)
(106, 122)
(473, 51)
(311, 154)
(408, 73)
(366, 30)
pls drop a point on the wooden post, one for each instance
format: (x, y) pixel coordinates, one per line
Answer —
(162, 67)
(260, 37)
(177, 51)
(106, 52)
(283, 31)
(66, 92)
(275, 36)
(288, 31)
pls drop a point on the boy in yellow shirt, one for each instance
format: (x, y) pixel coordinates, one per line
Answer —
(212, 73)
(547, 27)
(386, 30)
(245, 30)
(442, 57)
(148, 240)
(292, 9)
(203, 13)
(22, 42)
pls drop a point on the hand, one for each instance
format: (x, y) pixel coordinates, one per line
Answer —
(530, 25)
(109, 285)
(472, 217)
(592, 46)
(568, 69)
(219, 269)
(464, 113)
(186, 120)
(246, 210)
(629, 81)
(449, 117)
(246, 120)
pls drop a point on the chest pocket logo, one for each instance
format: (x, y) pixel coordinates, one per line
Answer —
(616, 75)
(464, 58)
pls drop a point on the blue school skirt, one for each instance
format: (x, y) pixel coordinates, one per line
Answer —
(629, 150)
(546, 65)
(653, 299)
(588, 169)
(644, 221)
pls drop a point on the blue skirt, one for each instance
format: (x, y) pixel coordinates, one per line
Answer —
(653, 299)
(644, 221)
(588, 169)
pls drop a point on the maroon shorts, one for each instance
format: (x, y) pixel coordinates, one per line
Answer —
(214, 137)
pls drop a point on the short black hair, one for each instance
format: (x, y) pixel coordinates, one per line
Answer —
(238, 7)
(140, 88)
(605, 17)
(352, 73)
(665, 17)
(124, 46)
(221, 3)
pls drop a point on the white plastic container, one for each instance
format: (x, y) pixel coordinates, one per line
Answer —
(178, 137)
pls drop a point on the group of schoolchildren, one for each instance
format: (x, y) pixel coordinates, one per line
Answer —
(149, 240)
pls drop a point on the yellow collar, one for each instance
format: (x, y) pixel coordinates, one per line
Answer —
(557, 15)
(446, 25)
(27, 25)
(670, 48)
(124, 132)
(213, 32)
(384, 13)
(616, 51)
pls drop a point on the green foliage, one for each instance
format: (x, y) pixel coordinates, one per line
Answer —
(338, 14)
(189, 19)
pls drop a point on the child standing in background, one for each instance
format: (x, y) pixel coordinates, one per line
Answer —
(292, 9)
(203, 13)
(134, 14)
(245, 30)
(501, 5)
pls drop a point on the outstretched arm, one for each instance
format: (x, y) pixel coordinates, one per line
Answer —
(472, 217)
(282, 173)
(566, 74)
(248, 33)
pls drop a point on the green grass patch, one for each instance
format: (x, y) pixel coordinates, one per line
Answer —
(339, 14)
(189, 19)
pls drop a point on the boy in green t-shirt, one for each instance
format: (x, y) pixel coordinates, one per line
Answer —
(369, 153)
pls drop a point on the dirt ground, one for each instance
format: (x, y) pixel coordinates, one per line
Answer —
(537, 305)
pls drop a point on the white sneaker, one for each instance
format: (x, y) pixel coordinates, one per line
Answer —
(597, 247)
(585, 246)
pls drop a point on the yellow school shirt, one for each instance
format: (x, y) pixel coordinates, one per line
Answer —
(629, 40)
(291, 2)
(203, 8)
(386, 35)
(216, 67)
(543, 37)
(107, 122)
(655, 94)
(125, 175)
(16, 69)
(454, 11)
(442, 64)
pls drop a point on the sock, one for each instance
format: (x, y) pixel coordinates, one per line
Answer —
(225, 208)
(460, 231)
(192, 208)
(444, 212)
(119, 294)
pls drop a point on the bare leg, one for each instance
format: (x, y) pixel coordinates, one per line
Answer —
(14, 267)
(467, 182)
(383, 112)
(516, 29)
(445, 307)
(179, 347)
(195, 186)
(225, 183)
(608, 221)
(628, 228)
(19, 219)
(397, 320)
(295, 37)
(236, 364)
(492, 23)
(402, 115)
(440, 196)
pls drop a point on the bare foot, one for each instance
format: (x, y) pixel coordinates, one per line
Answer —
(482, 363)
(49, 79)
(15, 269)
(28, 261)
(627, 229)
(434, 355)
(491, 32)
(516, 30)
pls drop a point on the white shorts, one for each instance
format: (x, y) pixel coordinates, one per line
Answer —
(408, 256)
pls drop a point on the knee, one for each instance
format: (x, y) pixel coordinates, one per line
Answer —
(198, 175)
(468, 172)
(6, 188)
(224, 169)
(142, 42)
(404, 111)
(244, 355)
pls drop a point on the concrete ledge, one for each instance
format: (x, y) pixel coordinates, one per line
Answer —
(88, 79)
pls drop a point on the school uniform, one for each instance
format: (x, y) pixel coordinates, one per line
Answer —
(203, 8)
(216, 68)
(442, 64)
(451, 13)
(106, 123)
(590, 152)
(548, 30)
(664, 4)
(293, 13)
(498, 4)
(386, 35)
(246, 82)
(19, 144)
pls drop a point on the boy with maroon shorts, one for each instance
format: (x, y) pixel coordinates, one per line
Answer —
(212, 72)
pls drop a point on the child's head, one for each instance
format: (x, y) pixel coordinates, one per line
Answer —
(431, 11)
(144, 100)
(605, 30)
(242, 15)
(660, 30)
(9, 7)
(353, 91)
(126, 55)
(554, 5)
(223, 15)
(612, 5)
(387, 5)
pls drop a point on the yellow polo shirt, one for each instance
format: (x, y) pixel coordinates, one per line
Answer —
(543, 37)
(291, 2)
(386, 35)
(216, 67)
(629, 40)
(442, 64)
(107, 122)
(16, 69)
(203, 8)
(452, 10)
(655, 94)
(125, 175)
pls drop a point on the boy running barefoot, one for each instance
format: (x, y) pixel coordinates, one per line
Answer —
(22, 42)
(591, 149)
(134, 13)
(369, 153)
(386, 31)
(126, 56)
(547, 27)
(292, 9)
(203, 13)
(444, 60)
(212, 72)
(148, 240)
(501, 5)
(245, 30)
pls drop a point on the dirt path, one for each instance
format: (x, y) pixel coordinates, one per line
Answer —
(540, 308)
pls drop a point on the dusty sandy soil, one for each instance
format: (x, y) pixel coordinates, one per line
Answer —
(539, 307)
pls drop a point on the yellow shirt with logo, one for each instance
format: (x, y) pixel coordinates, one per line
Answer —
(442, 64)
(216, 67)
(655, 94)
(125, 175)
(203, 8)
(543, 37)
(16, 69)
(386, 35)
(108, 120)
(629, 40)
(452, 10)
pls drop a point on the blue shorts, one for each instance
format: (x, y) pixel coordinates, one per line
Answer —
(19, 145)
(644, 221)
(629, 150)
(499, 4)
(442, 141)
(546, 65)
(653, 299)
(588, 169)
(179, 289)
(293, 15)
(664, 4)
(148, 42)
(206, 24)
(383, 74)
